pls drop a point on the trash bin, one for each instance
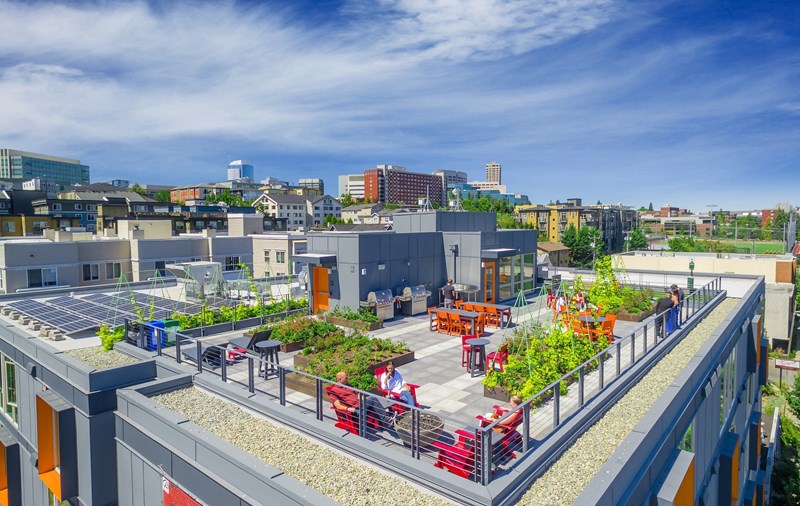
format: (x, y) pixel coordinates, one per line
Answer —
(171, 329)
(690, 283)
(165, 328)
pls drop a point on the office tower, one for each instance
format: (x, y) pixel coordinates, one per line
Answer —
(240, 170)
(353, 185)
(21, 165)
(392, 184)
(313, 183)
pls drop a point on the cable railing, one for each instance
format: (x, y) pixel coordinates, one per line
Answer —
(480, 449)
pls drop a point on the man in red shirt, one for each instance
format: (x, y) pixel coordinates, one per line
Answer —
(346, 399)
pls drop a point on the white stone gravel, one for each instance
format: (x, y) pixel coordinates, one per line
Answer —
(569, 475)
(99, 358)
(333, 474)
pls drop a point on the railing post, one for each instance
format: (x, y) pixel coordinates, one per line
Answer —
(318, 399)
(223, 364)
(199, 346)
(178, 348)
(581, 376)
(251, 380)
(645, 340)
(618, 355)
(633, 348)
(158, 340)
(485, 455)
(602, 371)
(362, 415)
(556, 404)
(282, 385)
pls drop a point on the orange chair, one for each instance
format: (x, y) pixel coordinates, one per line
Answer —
(606, 329)
(497, 357)
(581, 329)
(465, 349)
(458, 303)
(468, 306)
(456, 325)
(493, 316)
(433, 317)
(480, 324)
(443, 319)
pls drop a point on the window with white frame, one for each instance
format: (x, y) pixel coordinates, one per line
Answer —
(79, 207)
(280, 256)
(232, 263)
(113, 270)
(266, 256)
(9, 226)
(8, 389)
(56, 207)
(91, 272)
(38, 278)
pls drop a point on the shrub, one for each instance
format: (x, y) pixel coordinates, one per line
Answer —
(109, 336)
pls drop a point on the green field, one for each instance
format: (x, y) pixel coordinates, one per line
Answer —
(762, 247)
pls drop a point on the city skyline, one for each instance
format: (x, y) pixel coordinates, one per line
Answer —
(620, 102)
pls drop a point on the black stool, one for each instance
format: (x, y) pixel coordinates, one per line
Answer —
(268, 355)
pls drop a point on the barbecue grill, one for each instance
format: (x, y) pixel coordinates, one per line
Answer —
(414, 300)
(383, 302)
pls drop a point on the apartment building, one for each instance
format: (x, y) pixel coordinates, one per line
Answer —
(299, 211)
(493, 172)
(353, 185)
(318, 208)
(272, 254)
(357, 213)
(451, 178)
(677, 220)
(392, 184)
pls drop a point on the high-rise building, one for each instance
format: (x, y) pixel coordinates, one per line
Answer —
(313, 183)
(353, 185)
(21, 165)
(240, 170)
(493, 172)
(392, 184)
(451, 178)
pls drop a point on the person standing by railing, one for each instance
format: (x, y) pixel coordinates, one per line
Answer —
(663, 314)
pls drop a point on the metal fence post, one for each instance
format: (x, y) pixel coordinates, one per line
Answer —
(178, 348)
(556, 404)
(199, 346)
(318, 398)
(485, 455)
(526, 430)
(362, 415)
(581, 376)
(633, 348)
(282, 385)
(158, 340)
(618, 355)
(602, 371)
(251, 380)
(644, 352)
(223, 364)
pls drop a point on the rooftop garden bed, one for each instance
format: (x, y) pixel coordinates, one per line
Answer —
(363, 319)
(99, 358)
(538, 356)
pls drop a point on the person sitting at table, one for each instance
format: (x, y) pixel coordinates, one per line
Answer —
(561, 304)
(511, 421)
(346, 399)
(392, 381)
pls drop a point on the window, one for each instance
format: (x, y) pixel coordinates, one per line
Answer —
(280, 256)
(199, 224)
(91, 217)
(9, 226)
(52, 500)
(91, 272)
(113, 270)
(38, 278)
(266, 256)
(8, 392)
(161, 268)
(232, 263)
(139, 209)
(79, 207)
(56, 207)
(56, 445)
(38, 226)
(91, 207)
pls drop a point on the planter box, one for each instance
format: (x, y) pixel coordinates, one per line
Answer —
(354, 324)
(496, 393)
(629, 317)
(300, 383)
(301, 361)
(290, 347)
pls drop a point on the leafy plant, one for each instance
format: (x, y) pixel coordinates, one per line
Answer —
(109, 336)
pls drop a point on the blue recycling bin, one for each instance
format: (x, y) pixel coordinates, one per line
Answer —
(166, 328)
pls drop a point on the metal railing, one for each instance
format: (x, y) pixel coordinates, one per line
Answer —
(479, 453)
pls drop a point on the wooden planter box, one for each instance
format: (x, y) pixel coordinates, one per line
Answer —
(629, 317)
(301, 361)
(300, 383)
(354, 324)
(290, 347)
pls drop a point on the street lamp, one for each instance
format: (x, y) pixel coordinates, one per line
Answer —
(690, 281)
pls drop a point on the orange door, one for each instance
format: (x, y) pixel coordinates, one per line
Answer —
(489, 286)
(320, 288)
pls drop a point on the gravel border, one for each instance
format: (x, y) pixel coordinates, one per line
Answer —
(566, 478)
(99, 358)
(331, 473)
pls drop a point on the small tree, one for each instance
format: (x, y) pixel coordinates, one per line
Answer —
(163, 196)
(793, 397)
(346, 200)
(650, 207)
(637, 240)
(136, 188)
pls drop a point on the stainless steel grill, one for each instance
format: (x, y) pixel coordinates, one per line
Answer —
(414, 300)
(383, 302)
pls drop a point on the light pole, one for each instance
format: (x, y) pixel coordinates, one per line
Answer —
(690, 281)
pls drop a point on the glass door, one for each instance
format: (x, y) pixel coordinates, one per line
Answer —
(489, 282)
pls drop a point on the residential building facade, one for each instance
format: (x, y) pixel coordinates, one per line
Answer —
(318, 208)
(353, 185)
(493, 173)
(391, 184)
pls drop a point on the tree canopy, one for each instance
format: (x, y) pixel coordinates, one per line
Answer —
(637, 240)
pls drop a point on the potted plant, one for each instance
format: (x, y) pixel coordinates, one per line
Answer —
(430, 428)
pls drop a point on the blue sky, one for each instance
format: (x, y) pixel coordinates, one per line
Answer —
(690, 103)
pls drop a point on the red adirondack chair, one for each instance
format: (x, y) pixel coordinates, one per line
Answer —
(346, 420)
(396, 407)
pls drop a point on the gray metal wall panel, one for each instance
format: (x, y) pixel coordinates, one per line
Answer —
(125, 471)
(151, 483)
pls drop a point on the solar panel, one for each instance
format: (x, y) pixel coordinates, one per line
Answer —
(54, 317)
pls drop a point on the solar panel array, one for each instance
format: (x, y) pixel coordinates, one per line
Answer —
(75, 314)
(67, 322)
